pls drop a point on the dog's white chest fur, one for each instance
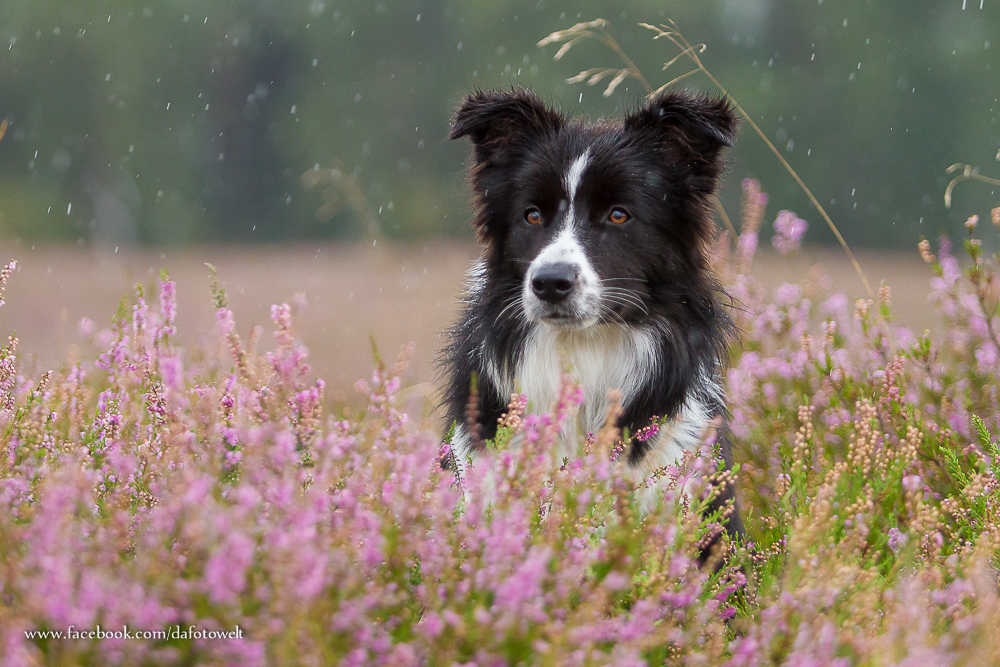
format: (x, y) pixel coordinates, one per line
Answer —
(601, 358)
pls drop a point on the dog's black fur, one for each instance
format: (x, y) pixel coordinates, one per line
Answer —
(660, 165)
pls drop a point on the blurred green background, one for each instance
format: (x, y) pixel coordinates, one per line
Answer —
(173, 122)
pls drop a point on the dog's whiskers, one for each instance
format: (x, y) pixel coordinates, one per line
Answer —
(512, 302)
(625, 298)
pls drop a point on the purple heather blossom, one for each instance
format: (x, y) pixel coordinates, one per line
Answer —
(225, 572)
(154, 493)
(788, 232)
(168, 306)
(897, 539)
(227, 325)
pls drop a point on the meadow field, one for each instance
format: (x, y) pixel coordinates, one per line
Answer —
(348, 293)
(177, 489)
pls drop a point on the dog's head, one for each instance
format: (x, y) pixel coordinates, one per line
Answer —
(598, 222)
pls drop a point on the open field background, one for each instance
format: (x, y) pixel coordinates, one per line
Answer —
(394, 292)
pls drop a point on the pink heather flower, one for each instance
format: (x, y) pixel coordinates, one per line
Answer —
(225, 319)
(4, 275)
(647, 432)
(897, 539)
(912, 482)
(836, 307)
(971, 223)
(525, 583)
(789, 230)
(747, 245)
(244, 652)
(172, 372)
(225, 572)
(168, 307)
(282, 318)
(986, 355)
(139, 311)
(86, 328)
(430, 624)
(616, 581)
(754, 200)
(787, 295)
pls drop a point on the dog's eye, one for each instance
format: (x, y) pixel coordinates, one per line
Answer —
(533, 216)
(619, 216)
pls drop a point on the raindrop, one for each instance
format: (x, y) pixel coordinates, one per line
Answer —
(69, 208)
(293, 108)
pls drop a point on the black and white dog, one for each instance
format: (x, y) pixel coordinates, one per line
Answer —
(595, 238)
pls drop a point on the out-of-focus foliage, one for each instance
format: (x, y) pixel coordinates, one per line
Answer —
(172, 121)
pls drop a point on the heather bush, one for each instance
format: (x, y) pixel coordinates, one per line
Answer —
(153, 488)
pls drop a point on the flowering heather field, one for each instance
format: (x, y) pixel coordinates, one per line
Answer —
(158, 488)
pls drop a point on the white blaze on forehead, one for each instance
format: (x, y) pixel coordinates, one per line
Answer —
(574, 174)
(566, 248)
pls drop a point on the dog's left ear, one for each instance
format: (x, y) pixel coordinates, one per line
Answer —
(697, 126)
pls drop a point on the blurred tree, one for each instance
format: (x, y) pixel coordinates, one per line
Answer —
(175, 121)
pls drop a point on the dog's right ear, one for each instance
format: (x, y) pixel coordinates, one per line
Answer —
(493, 119)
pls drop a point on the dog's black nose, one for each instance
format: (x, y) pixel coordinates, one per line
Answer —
(554, 282)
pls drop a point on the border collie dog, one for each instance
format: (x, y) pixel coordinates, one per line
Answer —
(595, 238)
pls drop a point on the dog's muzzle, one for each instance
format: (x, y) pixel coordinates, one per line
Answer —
(553, 283)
